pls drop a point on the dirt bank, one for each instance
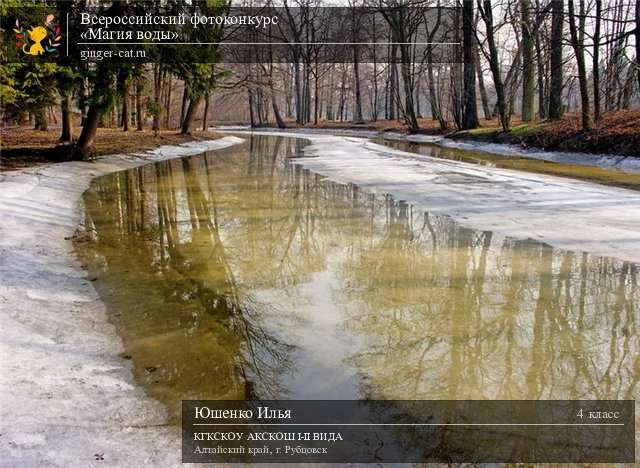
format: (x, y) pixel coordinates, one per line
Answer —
(618, 133)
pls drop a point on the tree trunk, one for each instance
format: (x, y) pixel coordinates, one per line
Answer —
(88, 134)
(542, 102)
(357, 115)
(304, 110)
(257, 99)
(596, 62)
(23, 117)
(276, 112)
(169, 86)
(316, 92)
(41, 120)
(65, 108)
(206, 113)
(342, 93)
(578, 48)
(185, 99)
(393, 82)
(52, 115)
(417, 98)
(190, 114)
(470, 109)
(494, 63)
(85, 100)
(638, 40)
(298, 92)
(252, 117)
(483, 91)
(434, 103)
(374, 110)
(289, 98)
(409, 108)
(528, 84)
(125, 106)
(139, 116)
(555, 96)
(157, 83)
(307, 95)
(627, 89)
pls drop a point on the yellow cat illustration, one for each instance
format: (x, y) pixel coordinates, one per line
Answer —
(37, 35)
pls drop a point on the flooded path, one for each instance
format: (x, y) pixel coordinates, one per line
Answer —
(243, 274)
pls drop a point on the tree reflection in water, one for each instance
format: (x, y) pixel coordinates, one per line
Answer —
(209, 267)
(453, 313)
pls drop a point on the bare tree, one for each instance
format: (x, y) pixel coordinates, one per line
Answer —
(528, 65)
(470, 111)
(578, 48)
(486, 12)
(555, 96)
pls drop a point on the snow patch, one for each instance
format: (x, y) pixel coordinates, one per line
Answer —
(67, 399)
(606, 161)
(568, 214)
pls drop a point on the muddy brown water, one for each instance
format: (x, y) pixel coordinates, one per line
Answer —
(238, 274)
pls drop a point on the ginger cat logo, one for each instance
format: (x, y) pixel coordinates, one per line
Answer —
(38, 40)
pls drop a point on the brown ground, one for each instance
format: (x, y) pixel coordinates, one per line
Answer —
(427, 126)
(617, 132)
(23, 146)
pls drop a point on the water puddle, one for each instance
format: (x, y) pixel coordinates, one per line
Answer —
(237, 274)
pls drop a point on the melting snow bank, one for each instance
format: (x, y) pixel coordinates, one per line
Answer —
(565, 213)
(606, 161)
(67, 398)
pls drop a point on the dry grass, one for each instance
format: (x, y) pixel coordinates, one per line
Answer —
(23, 147)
